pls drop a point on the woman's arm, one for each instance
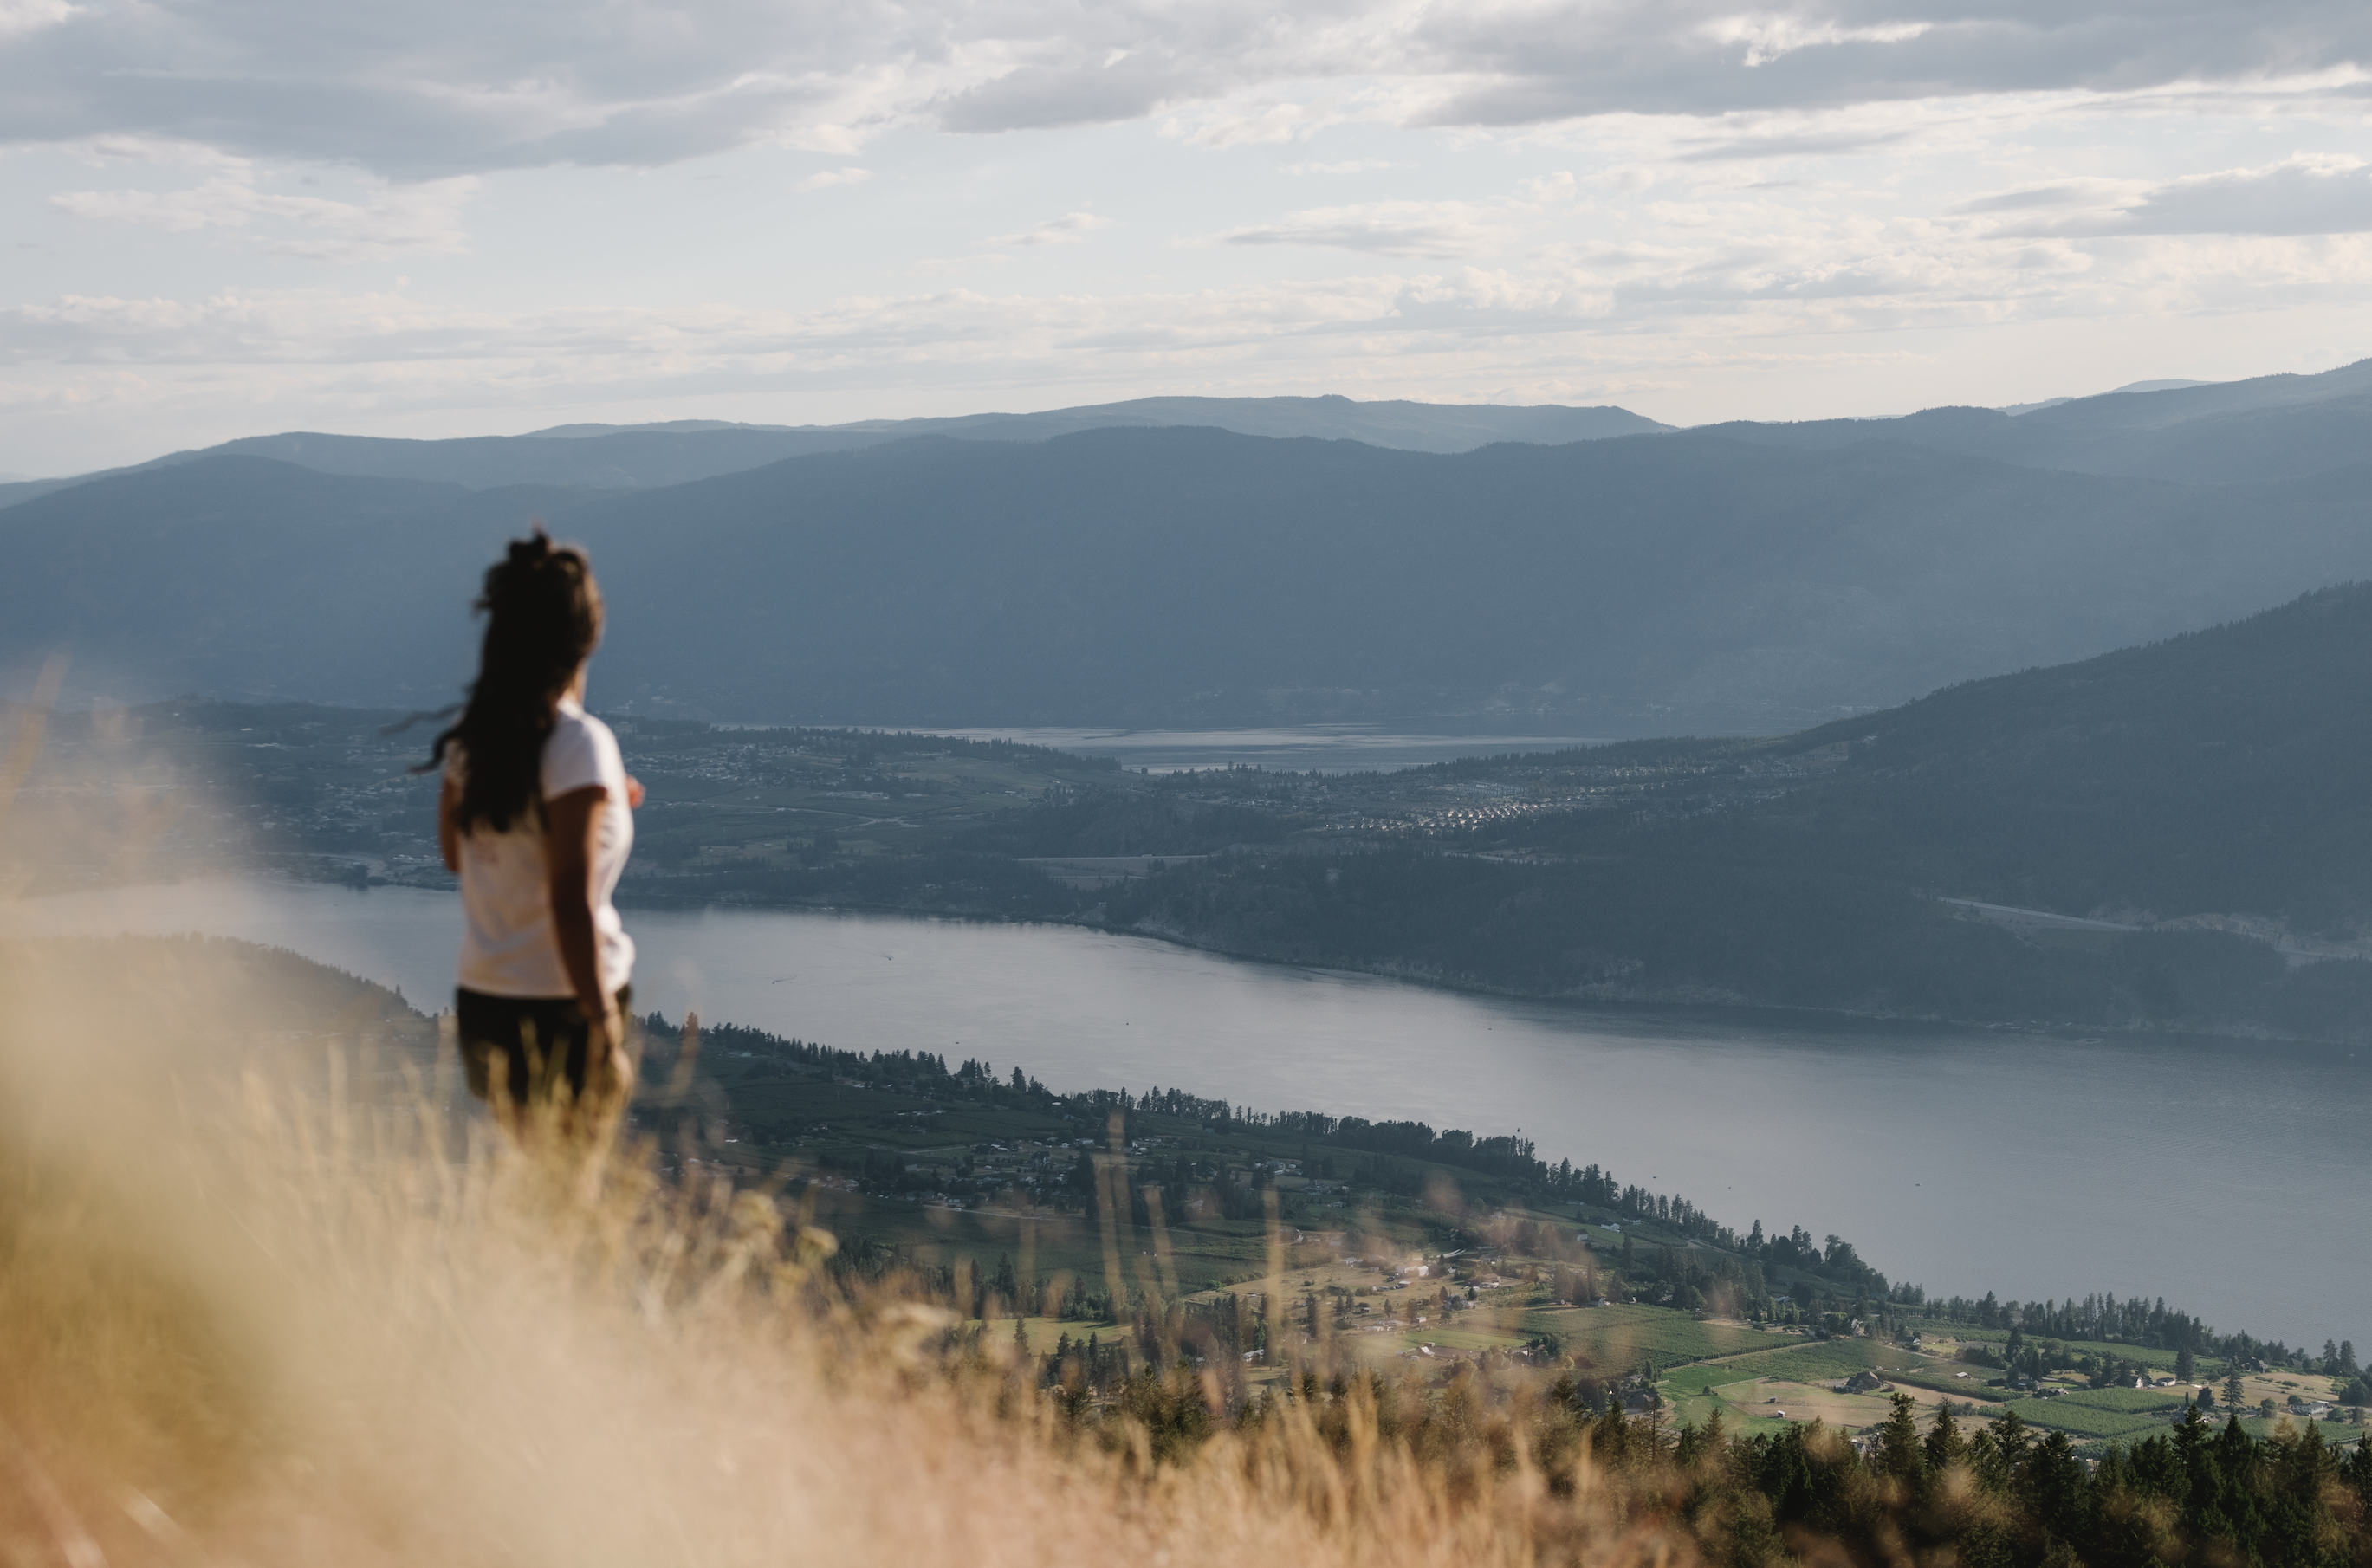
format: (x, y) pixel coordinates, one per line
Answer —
(570, 822)
(449, 835)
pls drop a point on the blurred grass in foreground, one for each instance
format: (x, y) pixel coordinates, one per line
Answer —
(259, 1304)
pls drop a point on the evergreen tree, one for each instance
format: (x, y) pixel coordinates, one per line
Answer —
(1005, 1283)
(1899, 1453)
(1943, 1444)
(2000, 1451)
(2052, 1480)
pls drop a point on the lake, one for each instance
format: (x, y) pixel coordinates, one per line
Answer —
(2229, 1177)
(1318, 748)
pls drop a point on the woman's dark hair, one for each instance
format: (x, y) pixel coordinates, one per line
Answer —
(544, 617)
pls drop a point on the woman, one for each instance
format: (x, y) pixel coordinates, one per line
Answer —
(536, 819)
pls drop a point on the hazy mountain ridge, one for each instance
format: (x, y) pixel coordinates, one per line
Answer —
(2259, 430)
(1402, 425)
(236, 573)
(676, 451)
(1744, 577)
(1632, 585)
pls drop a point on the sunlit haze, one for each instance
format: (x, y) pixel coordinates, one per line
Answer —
(437, 219)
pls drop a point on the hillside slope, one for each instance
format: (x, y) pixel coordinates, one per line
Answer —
(1614, 587)
(1628, 585)
(240, 575)
(2200, 802)
(2221, 771)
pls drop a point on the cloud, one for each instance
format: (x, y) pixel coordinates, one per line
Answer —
(1698, 58)
(1349, 165)
(2301, 196)
(1808, 143)
(1441, 230)
(1071, 229)
(2088, 193)
(424, 218)
(832, 177)
(27, 16)
(1772, 35)
(1444, 229)
(439, 87)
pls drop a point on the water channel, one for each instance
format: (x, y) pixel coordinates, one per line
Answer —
(2231, 1178)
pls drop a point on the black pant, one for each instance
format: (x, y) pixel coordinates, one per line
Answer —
(541, 1039)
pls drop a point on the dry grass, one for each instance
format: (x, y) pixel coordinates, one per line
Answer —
(258, 1307)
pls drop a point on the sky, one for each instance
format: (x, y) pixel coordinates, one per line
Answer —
(226, 217)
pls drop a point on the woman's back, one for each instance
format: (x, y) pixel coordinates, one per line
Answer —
(509, 947)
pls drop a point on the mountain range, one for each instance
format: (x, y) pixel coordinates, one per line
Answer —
(641, 455)
(1600, 573)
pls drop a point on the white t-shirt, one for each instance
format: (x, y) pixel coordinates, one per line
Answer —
(509, 947)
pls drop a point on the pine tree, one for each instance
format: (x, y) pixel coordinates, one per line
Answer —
(2054, 1484)
(1899, 1453)
(1944, 1444)
(2000, 1451)
(2357, 1471)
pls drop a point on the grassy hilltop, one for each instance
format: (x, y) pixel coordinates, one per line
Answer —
(271, 1302)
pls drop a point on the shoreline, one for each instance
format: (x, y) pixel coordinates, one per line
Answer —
(1662, 1004)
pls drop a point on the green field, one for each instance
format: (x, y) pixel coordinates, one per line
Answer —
(2080, 1420)
(1820, 1361)
(2333, 1431)
(1053, 1247)
(1738, 1421)
(2128, 1401)
(1467, 1337)
(1938, 1377)
(1617, 1339)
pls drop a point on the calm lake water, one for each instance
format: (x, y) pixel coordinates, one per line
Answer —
(1319, 747)
(2231, 1178)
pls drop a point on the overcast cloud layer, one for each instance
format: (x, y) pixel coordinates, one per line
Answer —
(436, 218)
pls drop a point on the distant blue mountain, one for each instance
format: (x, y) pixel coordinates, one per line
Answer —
(1647, 584)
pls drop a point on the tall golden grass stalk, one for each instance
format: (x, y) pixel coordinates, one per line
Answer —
(268, 1305)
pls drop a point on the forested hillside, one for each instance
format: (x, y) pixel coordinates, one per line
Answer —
(2198, 804)
(1633, 585)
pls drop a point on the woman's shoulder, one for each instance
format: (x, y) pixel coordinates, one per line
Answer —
(577, 724)
(580, 751)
